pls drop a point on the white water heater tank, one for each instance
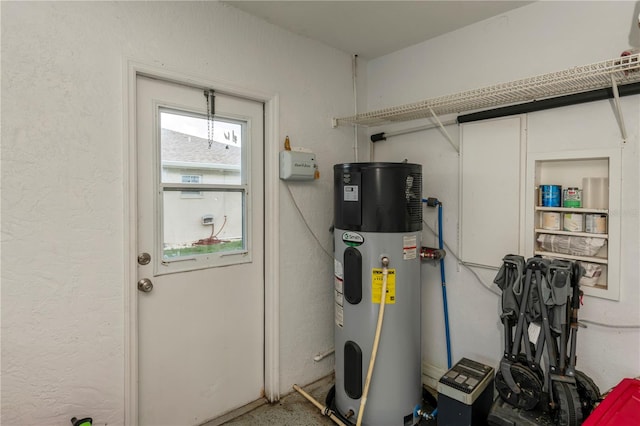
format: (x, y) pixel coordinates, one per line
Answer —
(378, 213)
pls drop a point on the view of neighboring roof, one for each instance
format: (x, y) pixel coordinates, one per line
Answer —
(180, 147)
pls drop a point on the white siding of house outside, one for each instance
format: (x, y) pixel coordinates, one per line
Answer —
(184, 213)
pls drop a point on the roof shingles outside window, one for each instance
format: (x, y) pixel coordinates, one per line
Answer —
(179, 147)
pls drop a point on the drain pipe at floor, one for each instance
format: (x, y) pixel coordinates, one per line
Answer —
(326, 411)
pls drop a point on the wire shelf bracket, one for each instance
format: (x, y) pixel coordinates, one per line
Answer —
(616, 97)
(611, 73)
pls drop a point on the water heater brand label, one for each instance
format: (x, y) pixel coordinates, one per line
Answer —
(351, 193)
(376, 286)
(352, 239)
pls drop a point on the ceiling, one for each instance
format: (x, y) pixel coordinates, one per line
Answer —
(374, 28)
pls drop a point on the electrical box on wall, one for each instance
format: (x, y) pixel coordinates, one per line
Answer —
(296, 165)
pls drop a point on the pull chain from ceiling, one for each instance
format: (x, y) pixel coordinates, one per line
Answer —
(211, 112)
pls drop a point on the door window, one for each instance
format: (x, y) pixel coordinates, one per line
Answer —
(203, 190)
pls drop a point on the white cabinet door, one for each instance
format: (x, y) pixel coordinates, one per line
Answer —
(492, 186)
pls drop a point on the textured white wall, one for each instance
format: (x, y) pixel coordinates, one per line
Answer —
(62, 198)
(535, 39)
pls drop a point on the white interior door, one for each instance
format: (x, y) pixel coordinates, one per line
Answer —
(200, 245)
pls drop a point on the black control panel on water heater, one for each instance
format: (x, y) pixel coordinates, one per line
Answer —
(378, 197)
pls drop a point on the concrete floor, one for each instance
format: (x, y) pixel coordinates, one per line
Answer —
(292, 410)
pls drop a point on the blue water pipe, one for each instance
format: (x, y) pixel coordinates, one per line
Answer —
(433, 202)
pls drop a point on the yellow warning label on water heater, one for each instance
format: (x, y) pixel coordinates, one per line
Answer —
(376, 286)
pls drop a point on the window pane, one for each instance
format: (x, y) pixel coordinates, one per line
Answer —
(210, 224)
(185, 149)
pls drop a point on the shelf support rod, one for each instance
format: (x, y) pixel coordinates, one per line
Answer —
(444, 130)
(616, 97)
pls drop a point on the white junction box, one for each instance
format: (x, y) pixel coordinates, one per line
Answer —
(296, 165)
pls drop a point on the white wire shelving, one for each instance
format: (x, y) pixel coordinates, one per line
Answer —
(600, 75)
